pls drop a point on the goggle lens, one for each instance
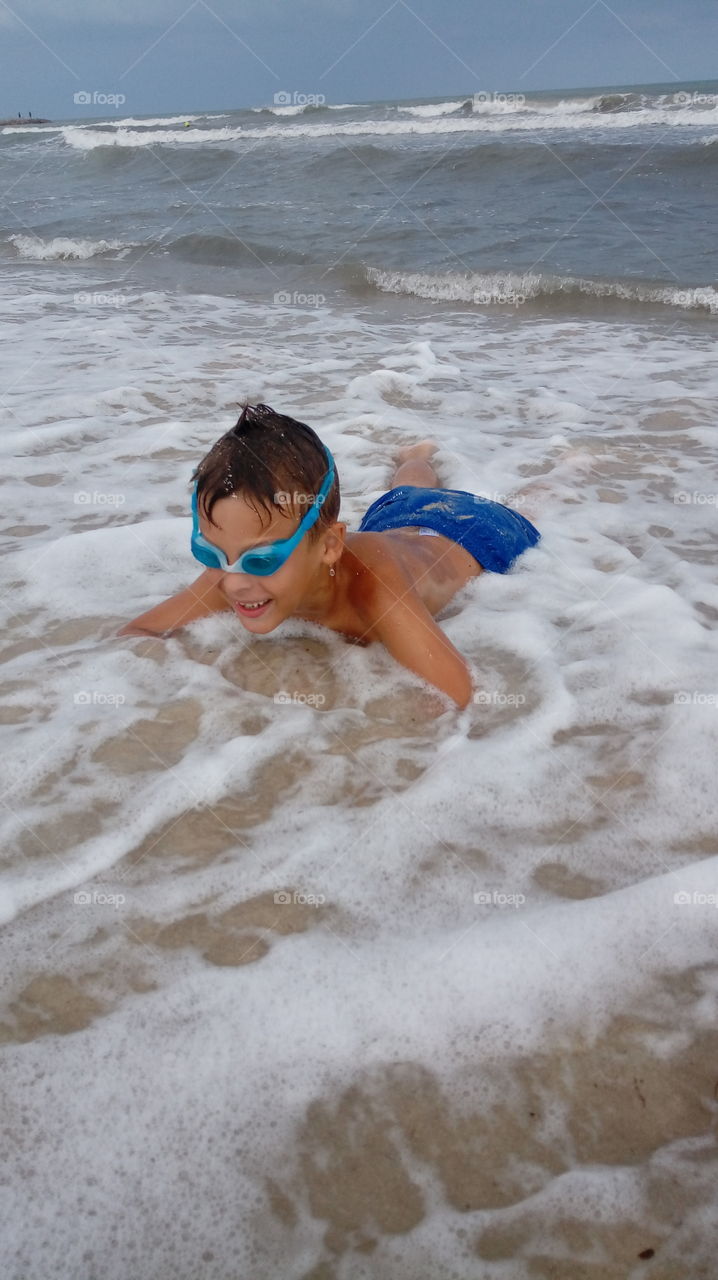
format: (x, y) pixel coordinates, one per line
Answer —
(262, 563)
(205, 555)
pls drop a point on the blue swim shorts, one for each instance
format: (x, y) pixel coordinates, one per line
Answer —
(495, 535)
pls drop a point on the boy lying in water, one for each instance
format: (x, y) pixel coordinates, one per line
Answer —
(266, 526)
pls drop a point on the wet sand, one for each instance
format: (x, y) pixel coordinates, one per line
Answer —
(495, 1141)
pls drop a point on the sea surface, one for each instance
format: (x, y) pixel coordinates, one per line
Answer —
(589, 195)
(304, 974)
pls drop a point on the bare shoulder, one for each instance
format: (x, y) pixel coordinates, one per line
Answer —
(393, 611)
(379, 575)
(375, 557)
(401, 561)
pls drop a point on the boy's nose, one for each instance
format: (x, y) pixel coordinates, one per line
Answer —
(236, 584)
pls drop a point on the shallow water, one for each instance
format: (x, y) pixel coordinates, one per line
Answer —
(359, 986)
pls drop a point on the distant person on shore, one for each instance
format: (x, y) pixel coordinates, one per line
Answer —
(265, 508)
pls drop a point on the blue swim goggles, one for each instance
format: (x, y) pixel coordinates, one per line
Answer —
(261, 562)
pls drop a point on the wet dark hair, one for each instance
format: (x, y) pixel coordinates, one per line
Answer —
(267, 454)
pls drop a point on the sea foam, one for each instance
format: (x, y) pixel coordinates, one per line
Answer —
(294, 949)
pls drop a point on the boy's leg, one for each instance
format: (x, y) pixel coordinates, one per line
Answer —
(414, 467)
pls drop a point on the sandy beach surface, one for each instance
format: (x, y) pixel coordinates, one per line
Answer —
(304, 973)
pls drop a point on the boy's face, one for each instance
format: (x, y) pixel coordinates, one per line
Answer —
(237, 527)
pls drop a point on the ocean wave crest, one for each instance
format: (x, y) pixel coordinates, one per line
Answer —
(63, 248)
(153, 121)
(298, 109)
(426, 110)
(487, 122)
(515, 288)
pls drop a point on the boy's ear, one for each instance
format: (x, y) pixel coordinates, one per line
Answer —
(334, 538)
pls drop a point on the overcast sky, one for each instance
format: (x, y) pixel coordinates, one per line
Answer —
(192, 55)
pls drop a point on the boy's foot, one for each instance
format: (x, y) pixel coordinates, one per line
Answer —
(419, 452)
(414, 466)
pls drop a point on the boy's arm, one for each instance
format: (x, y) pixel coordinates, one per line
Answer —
(406, 628)
(196, 601)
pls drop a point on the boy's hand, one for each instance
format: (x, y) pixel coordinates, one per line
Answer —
(199, 600)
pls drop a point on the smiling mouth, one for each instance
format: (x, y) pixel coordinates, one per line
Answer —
(251, 606)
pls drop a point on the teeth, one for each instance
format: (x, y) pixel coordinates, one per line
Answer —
(255, 604)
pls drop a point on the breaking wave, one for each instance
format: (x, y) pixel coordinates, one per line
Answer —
(64, 248)
(516, 288)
